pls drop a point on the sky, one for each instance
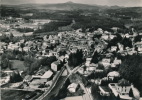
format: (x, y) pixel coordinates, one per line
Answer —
(127, 3)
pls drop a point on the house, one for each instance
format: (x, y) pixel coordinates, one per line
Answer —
(88, 61)
(106, 60)
(73, 87)
(4, 80)
(112, 75)
(91, 67)
(117, 61)
(47, 75)
(113, 48)
(12, 46)
(123, 87)
(105, 37)
(124, 90)
(27, 78)
(56, 66)
(139, 46)
(120, 46)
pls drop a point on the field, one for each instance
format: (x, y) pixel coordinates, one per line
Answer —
(19, 65)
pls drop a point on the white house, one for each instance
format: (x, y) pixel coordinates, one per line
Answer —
(112, 75)
(55, 66)
(88, 61)
(123, 87)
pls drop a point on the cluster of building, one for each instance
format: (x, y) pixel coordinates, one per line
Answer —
(69, 42)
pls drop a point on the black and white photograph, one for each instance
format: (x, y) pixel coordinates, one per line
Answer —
(70, 49)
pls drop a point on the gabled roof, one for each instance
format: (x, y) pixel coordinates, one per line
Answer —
(123, 82)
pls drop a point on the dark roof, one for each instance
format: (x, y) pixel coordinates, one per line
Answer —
(123, 82)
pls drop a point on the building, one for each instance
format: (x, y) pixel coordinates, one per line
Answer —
(112, 75)
(47, 75)
(56, 66)
(139, 46)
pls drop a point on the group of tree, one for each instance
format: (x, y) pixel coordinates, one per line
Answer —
(25, 30)
(127, 42)
(9, 11)
(11, 38)
(48, 60)
(75, 59)
(5, 63)
(115, 40)
(131, 69)
(15, 77)
(6, 39)
(137, 38)
(52, 26)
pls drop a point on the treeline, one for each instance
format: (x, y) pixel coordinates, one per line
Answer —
(75, 59)
(8, 11)
(52, 26)
(24, 30)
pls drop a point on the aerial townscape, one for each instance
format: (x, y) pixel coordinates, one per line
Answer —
(70, 51)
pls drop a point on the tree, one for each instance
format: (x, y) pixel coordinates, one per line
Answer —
(118, 97)
(72, 61)
(131, 93)
(137, 38)
(95, 58)
(11, 36)
(22, 45)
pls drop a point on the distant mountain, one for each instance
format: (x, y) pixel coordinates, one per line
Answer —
(69, 2)
(64, 6)
(67, 6)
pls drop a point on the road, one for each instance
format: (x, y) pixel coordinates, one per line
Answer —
(87, 95)
(60, 82)
(56, 88)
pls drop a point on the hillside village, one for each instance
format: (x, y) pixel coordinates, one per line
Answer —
(73, 64)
